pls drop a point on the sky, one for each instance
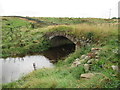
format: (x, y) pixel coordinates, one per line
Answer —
(60, 8)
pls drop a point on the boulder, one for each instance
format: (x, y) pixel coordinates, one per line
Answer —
(83, 56)
(97, 52)
(87, 58)
(115, 68)
(90, 61)
(95, 49)
(86, 67)
(96, 60)
(87, 75)
(77, 59)
(75, 64)
(97, 57)
(91, 55)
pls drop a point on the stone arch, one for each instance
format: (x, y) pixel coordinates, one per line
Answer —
(60, 40)
(70, 37)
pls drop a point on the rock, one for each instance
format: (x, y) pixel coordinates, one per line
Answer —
(86, 67)
(75, 64)
(116, 51)
(77, 59)
(115, 68)
(87, 57)
(83, 56)
(97, 52)
(92, 49)
(95, 49)
(87, 75)
(83, 61)
(83, 37)
(96, 60)
(97, 57)
(90, 61)
(91, 55)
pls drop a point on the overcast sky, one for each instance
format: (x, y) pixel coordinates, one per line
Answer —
(60, 8)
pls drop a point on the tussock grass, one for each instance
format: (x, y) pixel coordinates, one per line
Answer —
(101, 30)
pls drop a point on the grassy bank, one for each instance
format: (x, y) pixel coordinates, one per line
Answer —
(65, 76)
(20, 38)
(70, 21)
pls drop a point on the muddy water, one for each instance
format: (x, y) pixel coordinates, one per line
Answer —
(14, 68)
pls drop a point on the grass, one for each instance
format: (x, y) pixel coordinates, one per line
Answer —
(65, 76)
(19, 38)
(30, 40)
(69, 21)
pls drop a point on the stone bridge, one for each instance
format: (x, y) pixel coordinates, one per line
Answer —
(58, 38)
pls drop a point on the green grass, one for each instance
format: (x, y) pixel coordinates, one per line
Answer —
(30, 40)
(69, 21)
(19, 38)
(65, 76)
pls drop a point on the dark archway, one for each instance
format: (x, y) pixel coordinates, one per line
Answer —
(60, 41)
(60, 48)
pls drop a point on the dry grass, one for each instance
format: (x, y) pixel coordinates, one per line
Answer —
(100, 31)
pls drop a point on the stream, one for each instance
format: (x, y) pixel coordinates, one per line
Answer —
(14, 68)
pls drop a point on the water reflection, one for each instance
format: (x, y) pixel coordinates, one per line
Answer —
(14, 68)
(60, 52)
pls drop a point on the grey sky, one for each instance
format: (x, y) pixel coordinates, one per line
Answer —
(60, 8)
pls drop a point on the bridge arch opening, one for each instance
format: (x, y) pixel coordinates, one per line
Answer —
(60, 41)
(61, 47)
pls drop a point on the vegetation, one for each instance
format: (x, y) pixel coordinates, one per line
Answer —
(69, 21)
(27, 40)
(19, 38)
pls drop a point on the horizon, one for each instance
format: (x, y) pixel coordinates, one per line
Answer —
(58, 17)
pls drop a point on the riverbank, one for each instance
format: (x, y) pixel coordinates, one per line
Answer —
(65, 74)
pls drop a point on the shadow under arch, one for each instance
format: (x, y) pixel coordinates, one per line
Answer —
(59, 41)
(61, 47)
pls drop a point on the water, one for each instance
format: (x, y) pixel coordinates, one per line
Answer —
(14, 68)
(60, 52)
